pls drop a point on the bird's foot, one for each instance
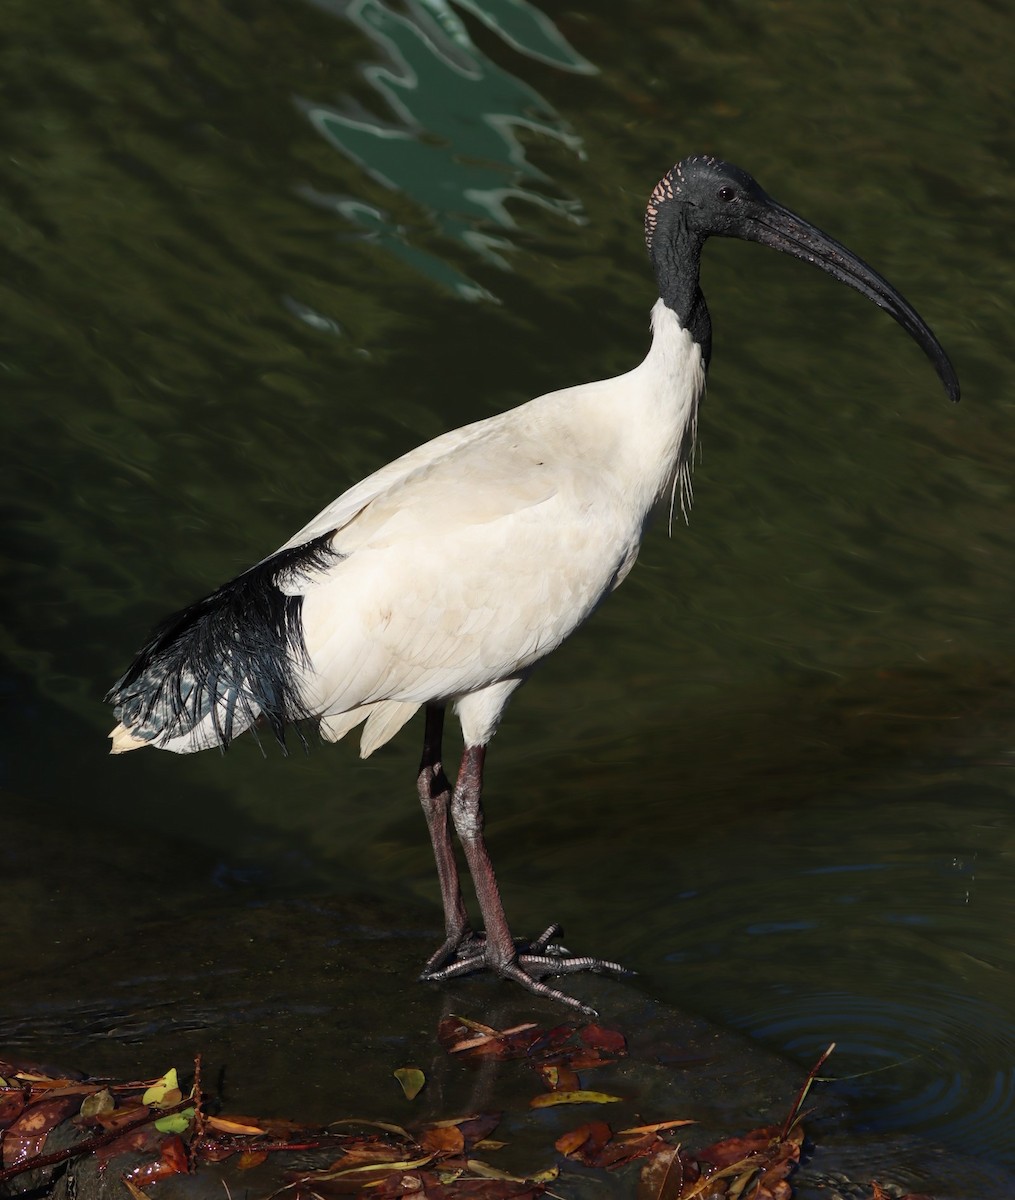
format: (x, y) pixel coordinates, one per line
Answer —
(455, 948)
(527, 963)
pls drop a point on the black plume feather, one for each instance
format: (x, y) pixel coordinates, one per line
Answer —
(233, 654)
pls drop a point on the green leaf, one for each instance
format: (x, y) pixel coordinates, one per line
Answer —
(156, 1094)
(175, 1122)
(412, 1080)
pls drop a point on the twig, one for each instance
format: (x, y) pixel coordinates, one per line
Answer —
(197, 1097)
(794, 1112)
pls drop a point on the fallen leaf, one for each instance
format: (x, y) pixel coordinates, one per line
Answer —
(485, 1171)
(736, 1149)
(174, 1155)
(26, 1136)
(656, 1128)
(547, 1176)
(474, 1042)
(251, 1158)
(135, 1141)
(171, 1161)
(411, 1081)
(585, 1142)
(215, 1151)
(477, 1127)
(372, 1168)
(467, 1023)
(546, 1099)
(156, 1095)
(116, 1117)
(559, 1078)
(443, 1139)
(664, 1175)
(97, 1102)
(581, 1059)
(385, 1125)
(11, 1107)
(596, 1037)
(175, 1122)
(241, 1125)
(134, 1190)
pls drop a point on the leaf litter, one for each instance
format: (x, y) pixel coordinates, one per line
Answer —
(437, 1160)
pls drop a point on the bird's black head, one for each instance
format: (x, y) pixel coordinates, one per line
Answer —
(704, 197)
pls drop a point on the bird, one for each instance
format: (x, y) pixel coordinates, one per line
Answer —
(448, 575)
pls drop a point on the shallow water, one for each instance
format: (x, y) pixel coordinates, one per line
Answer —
(253, 251)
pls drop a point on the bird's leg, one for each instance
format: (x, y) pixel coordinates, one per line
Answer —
(498, 952)
(435, 797)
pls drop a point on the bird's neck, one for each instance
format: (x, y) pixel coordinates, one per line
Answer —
(663, 394)
(677, 262)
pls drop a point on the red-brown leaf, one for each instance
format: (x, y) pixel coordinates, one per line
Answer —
(732, 1150)
(12, 1104)
(443, 1140)
(135, 1141)
(251, 1158)
(172, 1161)
(596, 1037)
(26, 1135)
(116, 1118)
(664, 1175)
(585, 1143)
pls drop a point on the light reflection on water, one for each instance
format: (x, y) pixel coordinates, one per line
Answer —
(775, 773)
(450, 138)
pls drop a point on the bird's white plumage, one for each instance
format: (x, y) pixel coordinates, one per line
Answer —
(461, 564)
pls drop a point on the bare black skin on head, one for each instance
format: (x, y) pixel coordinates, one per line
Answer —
(704, 197)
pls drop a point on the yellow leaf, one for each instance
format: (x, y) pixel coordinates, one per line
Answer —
(547, 1176)
(156, 1094)
(485, 1171)
(546, 1099)
(134, 1190)
(224, 1125)
(407, 1165)
(659, 1125)
(411, 1080)
(387, 1125)
(487, 1029)
(486, 1034)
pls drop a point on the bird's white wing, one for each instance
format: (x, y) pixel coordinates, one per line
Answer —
(385, 480)
(465, 573)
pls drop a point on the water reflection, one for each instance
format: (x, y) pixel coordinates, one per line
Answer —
(451, 138)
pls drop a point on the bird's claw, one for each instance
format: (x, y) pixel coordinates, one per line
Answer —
(530, 963)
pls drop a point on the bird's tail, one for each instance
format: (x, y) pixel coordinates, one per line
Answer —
(210, 671)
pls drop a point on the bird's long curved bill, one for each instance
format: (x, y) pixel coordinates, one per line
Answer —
(783, 230)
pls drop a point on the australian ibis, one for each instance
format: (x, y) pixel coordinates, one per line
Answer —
(448, 575)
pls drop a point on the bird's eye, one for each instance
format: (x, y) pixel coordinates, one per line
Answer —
(726, 194)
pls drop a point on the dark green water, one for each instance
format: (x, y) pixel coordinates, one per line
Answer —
(251, 251)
